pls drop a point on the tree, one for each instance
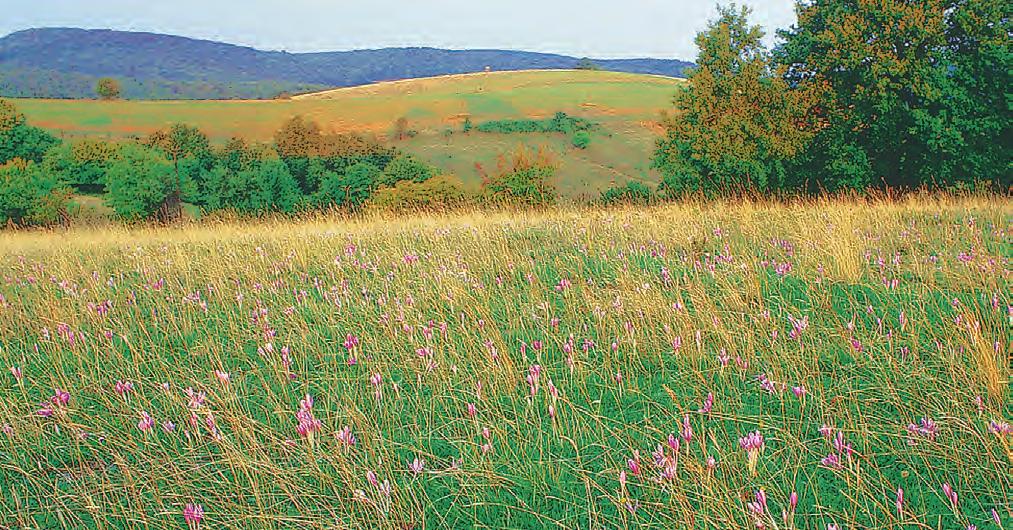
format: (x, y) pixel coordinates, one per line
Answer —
(736, 122)
(139, 182)
(916, 92)
(406, 167)
(264, 186)
(298, 137)
(352, 189)
(401, 131)
(20, 140)
(10, 117)
(81, 164)
(189, 151)
(30, 196)
(107, 88)
(587, 64)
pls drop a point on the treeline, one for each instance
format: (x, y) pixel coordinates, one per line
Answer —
(303, 168)
(890, 94)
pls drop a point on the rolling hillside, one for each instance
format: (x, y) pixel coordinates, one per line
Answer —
(627, 107)
(66, 62)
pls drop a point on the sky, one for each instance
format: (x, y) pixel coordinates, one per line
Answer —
(594, 28)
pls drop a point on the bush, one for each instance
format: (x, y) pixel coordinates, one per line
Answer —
(20, 140)
(266, 186)
(633, 192)
(437, 193)
(351, 189)
(139, 183)
(522, 178)
(82, 164)
(560, 123)
(30, 196)
(581, 139)
(406, 168)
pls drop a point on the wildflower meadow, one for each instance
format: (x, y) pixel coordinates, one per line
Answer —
(826, 364)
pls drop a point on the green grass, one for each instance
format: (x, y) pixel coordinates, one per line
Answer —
(484, 295)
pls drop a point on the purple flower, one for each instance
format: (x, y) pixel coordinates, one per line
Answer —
(193, 514)
(753, 445)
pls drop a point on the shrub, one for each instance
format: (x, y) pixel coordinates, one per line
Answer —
(81, 164)
(406, 168)
(581, 139)
(438, 193)
(522, 178)
(633, 192)
(30, 196)
(559, 123)
(351, 189)
(20, 140)
(266, 186)
(139, 183)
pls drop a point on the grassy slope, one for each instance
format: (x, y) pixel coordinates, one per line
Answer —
(876, 355)
(627, 106)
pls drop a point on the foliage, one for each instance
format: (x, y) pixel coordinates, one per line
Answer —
(736, 121)
(522, 177)
(20, 140)
(406, 167)
(581, 139)
(559, 123)
(81, 164)
(189, 151)
(587, 64)
(310, 154)
(913, 93)
(265, 185)
(30, 196)
(108, 88)
(139, 182)
(437, 193)
(350, 189)
(633, 192)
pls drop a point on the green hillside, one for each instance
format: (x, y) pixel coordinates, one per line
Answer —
(625, 106)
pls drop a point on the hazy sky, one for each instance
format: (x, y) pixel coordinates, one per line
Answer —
(596, 28)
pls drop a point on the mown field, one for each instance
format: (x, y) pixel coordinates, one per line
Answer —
(627, 106)
(682, 366)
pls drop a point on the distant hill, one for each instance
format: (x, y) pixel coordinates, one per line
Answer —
(66, 63)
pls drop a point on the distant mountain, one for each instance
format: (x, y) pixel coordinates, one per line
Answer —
(66, 63)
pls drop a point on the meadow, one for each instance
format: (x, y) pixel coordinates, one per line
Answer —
(627, 106)
(824, 364)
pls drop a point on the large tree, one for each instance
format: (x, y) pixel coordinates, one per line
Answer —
(736, 121)
(918, 89)
(189, 151)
